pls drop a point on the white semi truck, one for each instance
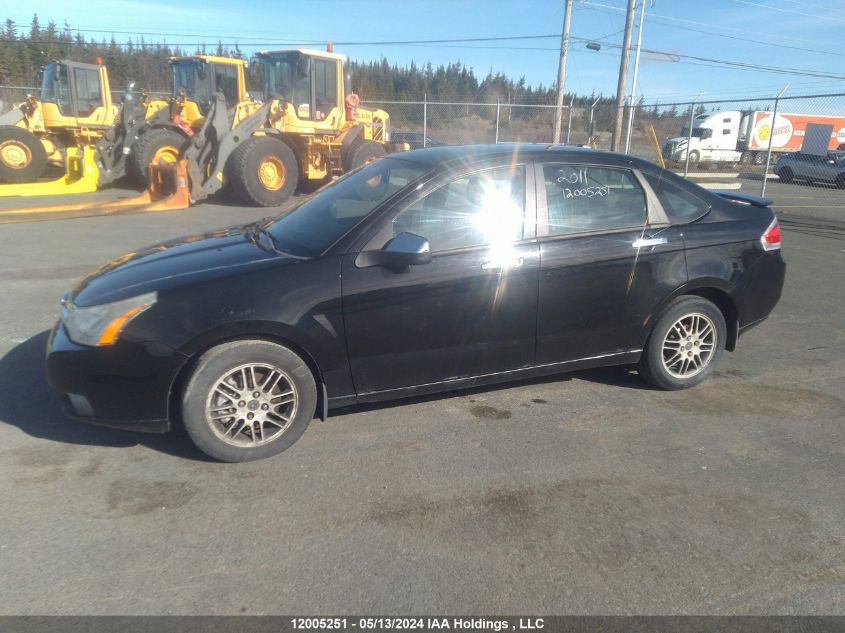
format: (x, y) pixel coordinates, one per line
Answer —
(742, 136)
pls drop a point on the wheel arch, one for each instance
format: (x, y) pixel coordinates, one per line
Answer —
(295, 145)
(243, 331)
(718, 292)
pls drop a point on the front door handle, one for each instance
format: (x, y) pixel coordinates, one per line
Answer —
(649, 241)
(493, 264)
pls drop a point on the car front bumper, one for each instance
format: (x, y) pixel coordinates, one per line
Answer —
(126, 385)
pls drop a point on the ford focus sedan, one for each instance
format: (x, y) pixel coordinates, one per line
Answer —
(422, 272)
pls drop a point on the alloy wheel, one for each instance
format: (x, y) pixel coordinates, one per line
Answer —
(251, 405)
(688, 345)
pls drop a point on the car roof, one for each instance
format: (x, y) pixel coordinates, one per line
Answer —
(457, 155)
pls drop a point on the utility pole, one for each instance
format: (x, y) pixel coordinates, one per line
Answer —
(561, 69)
(623, 76)
(634, 80)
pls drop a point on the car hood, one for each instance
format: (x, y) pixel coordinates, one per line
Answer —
(174, 263)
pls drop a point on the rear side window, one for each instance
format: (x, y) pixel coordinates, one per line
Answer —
(681, 204)
(583, 198)
(87, 91)
(226, 79)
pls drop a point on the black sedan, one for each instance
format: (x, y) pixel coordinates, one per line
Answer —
(422, 272)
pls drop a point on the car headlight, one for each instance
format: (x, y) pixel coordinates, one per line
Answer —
(102, 324)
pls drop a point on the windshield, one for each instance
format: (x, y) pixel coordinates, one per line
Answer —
(286, 77)
(194, 78)
(325, 217)
(55, 87)
(697, 132)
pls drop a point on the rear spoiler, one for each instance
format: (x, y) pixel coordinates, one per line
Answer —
(743, 198)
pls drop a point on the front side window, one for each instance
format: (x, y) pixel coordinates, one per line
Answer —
(583, 198)
(680, 204)
(55, 87)
(479, 209)
(286, 77)
(194, 79)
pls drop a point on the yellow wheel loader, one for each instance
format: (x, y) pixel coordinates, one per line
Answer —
(72, 122)
(315, 128)
(196, 81)
(309, 128)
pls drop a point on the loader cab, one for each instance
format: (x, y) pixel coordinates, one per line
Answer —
(74, 94)
(197, 79)
(310, 81)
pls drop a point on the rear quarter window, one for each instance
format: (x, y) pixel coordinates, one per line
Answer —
(681, 204)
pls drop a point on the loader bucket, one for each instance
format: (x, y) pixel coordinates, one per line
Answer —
(169, 186)
(81, 176)
(169, 190)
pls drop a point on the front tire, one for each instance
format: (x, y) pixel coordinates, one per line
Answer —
(22, 156)
(685, 345)
(693, 157)
(248, 400)
(264, 171)
(156, 146)
(785, 175)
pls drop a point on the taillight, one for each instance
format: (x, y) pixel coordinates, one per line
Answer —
(771, 238)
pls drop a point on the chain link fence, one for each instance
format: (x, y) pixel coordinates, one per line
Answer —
(735, 143)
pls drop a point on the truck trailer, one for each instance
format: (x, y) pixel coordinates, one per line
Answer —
(742, 136)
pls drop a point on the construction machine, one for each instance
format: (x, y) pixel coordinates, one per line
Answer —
(309, 128)
(72, 122)
(315, 128)
(196, 81)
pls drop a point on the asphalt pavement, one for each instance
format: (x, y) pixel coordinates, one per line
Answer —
(586, 493)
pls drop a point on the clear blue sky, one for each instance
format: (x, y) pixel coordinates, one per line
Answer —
(676, 26)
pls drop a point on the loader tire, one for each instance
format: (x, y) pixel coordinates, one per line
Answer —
(363, 152)
(263, 171)
(22, 156)
(154, 146)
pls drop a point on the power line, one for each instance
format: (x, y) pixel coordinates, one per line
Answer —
(597, 6)
(449, 42)
(782, 10)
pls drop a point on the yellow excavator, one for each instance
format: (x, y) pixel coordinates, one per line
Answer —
(309, 127)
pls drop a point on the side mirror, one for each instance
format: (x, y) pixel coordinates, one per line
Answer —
(406, 249)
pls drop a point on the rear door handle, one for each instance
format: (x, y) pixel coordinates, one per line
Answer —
(649, 241)
(493, 264)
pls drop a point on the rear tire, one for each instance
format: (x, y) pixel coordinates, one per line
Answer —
(264, 171)
(685, 345)
(786, 175)
(364, 152)
(154, 146)
(248, 400)
(840, 181)
(22, 156)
